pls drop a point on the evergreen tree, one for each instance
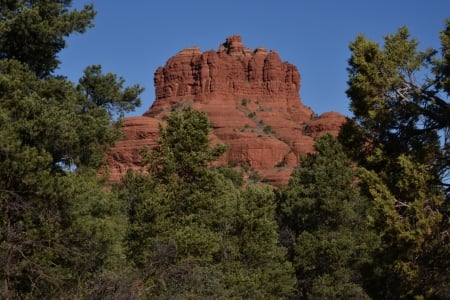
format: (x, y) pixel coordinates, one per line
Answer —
(106, 91)
(192, 232)
(60, 227)
(324, 222)
(398, 99)
(184, 148)
(264, 271)
(413, 259)
(399, 134)
(34, 31)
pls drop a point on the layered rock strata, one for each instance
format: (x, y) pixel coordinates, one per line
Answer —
(252, 99)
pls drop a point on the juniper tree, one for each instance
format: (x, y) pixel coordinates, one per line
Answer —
(399, 134)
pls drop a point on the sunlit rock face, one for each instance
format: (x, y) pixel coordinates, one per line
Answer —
(252, 99)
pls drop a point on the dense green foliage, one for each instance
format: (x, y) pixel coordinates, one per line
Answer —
(325, 223)
(370, 224)
(60, 229)
(400, 136)
(194, 233)
(33, 32)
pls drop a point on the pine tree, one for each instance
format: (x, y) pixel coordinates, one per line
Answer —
(324, 223)
(192, 232)
(260, 269)
(60, 226)
(34, 32)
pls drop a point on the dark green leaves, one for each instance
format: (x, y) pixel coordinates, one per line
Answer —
(325, 216)
(193, 232)
(399, 136)
(33, 32)
(60, 226)
(106, 91)
(184, 149)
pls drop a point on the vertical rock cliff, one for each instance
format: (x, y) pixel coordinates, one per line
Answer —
(252, 99)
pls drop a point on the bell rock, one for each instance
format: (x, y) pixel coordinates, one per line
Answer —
(252, 99)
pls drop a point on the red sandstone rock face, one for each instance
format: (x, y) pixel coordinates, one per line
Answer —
(138, 132)
(329, 122)
(252, 99)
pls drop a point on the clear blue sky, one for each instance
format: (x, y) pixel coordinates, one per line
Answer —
(133, 38)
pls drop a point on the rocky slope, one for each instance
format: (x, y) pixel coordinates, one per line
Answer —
(252, 99)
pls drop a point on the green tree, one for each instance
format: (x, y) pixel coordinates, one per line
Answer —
(324, 221)
(397, 96)
(399, 134)
(264, 271)
(413, 258)
(60, 226)
(184, 148)
(58, 230)
(34, 31)
(180, 213)
(106, 91)
(192, 232)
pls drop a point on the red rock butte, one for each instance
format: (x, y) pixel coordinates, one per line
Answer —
(252, 99)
